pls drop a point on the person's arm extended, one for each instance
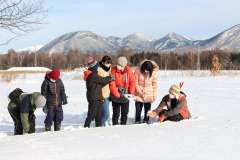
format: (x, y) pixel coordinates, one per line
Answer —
(101, 80)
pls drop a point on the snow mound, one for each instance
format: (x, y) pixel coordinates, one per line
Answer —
(29, 69)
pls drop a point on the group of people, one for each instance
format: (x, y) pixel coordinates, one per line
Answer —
(105, 83)
(120, 83)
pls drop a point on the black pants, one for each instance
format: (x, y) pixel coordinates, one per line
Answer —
(174, 118)
(18, 129)
(94, 112)
(118, 108)
(54, 114)
(139, 106)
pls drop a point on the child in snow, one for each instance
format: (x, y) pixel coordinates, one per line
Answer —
(146, 88)
(123, 84)
(22, 107)
(54, 91)
(173, 106)
(104, 70)
(95, 99)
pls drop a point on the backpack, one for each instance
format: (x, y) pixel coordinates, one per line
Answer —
(14, 95)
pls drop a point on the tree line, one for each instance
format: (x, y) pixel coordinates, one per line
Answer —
(166, 61)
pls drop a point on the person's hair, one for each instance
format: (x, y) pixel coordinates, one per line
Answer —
(106, 60)
(148, 66)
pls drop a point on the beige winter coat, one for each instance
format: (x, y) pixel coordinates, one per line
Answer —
(146, 87)
(105, 89)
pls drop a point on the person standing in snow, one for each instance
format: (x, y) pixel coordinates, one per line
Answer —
(124, 84)
(104, 70)
(146, 88)
(94, 84)
(53, 90)
(173, 106)
(22, 107)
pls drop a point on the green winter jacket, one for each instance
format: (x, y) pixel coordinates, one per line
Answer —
(26, 107)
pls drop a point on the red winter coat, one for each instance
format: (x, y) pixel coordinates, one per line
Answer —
(180, 107)
(124, 79)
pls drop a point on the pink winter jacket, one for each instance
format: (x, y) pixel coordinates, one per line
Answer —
(146, 87)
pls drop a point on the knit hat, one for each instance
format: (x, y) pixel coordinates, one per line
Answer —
(40, 101)
(91, 62)
(122, 61)
(54, 74)
(175, 90)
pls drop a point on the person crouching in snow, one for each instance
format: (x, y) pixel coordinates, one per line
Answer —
(53, 90)
(146, 88)
(94, 84)
(104, 70)
(173, 106)
(22, 108)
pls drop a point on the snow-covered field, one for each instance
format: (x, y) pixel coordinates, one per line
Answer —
(212, 133)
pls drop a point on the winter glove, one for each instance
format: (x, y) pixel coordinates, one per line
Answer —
(45, 109)
(162, 118)
(113, 78)
(152, 114)
(122, 91)
(64, 101)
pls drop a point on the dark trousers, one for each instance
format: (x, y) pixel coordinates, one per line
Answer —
(139, 106)
(94, 112)
(118, 108)
(54, 114)
(18, 129)
(174, 118)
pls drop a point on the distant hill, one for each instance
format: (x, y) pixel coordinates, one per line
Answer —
(89, 42)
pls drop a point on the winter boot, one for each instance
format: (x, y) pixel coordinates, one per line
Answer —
(57, 127)
(47, 129)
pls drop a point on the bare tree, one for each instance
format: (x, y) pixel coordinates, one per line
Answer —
(20, 16)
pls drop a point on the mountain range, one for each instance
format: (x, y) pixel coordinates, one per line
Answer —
(89, 42)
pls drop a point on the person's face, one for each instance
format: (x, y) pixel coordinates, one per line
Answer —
(120, 68)
(171, 96)
(108, 65)
(52, 80)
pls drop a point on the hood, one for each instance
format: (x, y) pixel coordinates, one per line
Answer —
(156, 67)
(86, 74)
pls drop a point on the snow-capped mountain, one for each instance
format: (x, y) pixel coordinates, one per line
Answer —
(89, 42)
(137, 42)
(229, 39)
(171, 41)
(82, 41)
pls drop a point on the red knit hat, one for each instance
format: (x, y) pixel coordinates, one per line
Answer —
(54, 74)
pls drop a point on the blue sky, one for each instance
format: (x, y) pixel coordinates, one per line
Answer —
(197, 19)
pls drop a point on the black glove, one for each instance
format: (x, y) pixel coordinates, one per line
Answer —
(122, 91)
(64, 101)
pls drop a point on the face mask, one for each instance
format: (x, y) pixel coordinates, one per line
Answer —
(120, 68)
(108, 65)
(52, 80)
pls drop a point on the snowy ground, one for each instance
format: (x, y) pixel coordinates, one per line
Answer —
(212, 133)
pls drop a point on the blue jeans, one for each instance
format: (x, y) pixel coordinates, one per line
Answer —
(105, 112)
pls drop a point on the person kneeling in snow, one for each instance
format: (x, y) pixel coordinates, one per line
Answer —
(22, 108)
(173, 106)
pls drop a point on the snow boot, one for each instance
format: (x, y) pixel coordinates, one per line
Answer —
(47, 129)
(57, 127)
